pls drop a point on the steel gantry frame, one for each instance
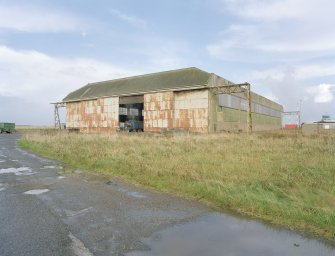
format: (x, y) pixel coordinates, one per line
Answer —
(58, 105)
(292, 113)
(238, 88)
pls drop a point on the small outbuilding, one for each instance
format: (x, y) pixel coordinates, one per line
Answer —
(184, 99)
(325, 126)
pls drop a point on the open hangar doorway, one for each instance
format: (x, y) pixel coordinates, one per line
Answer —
(131, 113)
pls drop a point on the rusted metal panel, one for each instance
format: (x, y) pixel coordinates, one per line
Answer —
(158, 111)
(191, 110)
(187, 110)
(93, 115)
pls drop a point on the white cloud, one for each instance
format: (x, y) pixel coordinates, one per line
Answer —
(280, 42)
(286, 86)
(276, 29)
(315, 70)
(131, 20)
(36, 19)
(274, 9)
(41, 78)
(300, 71)
(32, 80)
(158, 54)
(323, 93)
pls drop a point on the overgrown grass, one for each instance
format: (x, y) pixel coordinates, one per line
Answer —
(285, 179)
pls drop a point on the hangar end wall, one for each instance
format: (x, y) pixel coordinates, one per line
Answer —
(229, 113)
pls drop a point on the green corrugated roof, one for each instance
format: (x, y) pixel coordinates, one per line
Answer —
(168, 80)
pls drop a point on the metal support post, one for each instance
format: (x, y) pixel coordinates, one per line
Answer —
(57, 105)
(247, 92)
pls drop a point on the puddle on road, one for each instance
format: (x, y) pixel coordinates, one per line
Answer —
(217, 235)
(36, 191)
(17, 171)
(3, 187)
(49, 167)
(131, 193)
(135, 194)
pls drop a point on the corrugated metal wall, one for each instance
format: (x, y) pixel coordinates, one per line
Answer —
(228, 113)
(158, 111)
(93, 115)
(176, 110)
(194, 110)
(191, 110)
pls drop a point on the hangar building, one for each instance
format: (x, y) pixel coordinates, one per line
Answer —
(186, 99)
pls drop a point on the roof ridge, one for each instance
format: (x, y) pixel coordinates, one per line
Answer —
(144, 75)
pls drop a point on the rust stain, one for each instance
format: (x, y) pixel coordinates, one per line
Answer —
(168, 110)
(158, 111)
(99, 115)
(162, 111)
(191, 110)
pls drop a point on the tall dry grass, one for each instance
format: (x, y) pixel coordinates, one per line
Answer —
(285, 179)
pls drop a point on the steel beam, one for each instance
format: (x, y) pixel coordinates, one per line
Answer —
(293, 113)
(238, 88)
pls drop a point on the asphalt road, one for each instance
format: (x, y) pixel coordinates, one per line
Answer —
(46, 209)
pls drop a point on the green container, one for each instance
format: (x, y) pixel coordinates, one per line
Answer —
(7, 127)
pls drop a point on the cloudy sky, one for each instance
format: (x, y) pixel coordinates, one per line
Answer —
(284, 48)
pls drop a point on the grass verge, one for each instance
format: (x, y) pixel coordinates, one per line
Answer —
(284, 179)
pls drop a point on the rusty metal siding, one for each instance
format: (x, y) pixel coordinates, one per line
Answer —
(158, 111)
(191, 110)
(93, 115)
(181, 110)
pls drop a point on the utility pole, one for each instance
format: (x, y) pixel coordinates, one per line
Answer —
(299, 115)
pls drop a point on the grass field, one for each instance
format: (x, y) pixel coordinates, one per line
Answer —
(284, 179)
